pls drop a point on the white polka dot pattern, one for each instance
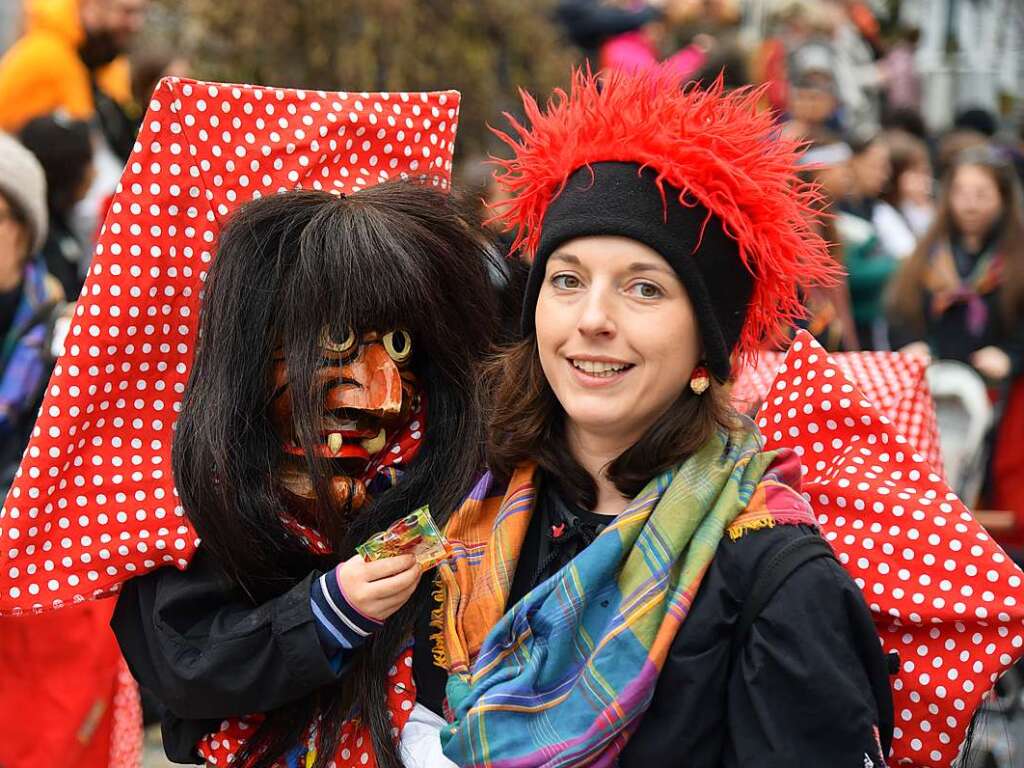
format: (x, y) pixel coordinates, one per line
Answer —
(126, 731)
(94, 503)
(894, 382)
(942, 592)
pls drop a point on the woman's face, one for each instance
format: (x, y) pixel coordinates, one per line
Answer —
(14, 247)
(616, 333)
(915, 184)
(871, 168)
(837, 180)
(974, 200)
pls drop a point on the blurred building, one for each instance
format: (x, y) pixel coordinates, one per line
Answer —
(971, 55)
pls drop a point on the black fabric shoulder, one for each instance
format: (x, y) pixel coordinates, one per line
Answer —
(740, 560)
(207, 653)
(812, 652)
(772, 574)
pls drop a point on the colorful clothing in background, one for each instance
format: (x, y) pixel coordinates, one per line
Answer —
(43, 72)
(869, 269)
(25, 357)
(636, 51)
(65, 697)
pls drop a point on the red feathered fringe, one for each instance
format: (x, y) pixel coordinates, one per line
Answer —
(718, 148)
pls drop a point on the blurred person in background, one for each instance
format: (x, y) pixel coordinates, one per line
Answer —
(590, 23)
(960, 296)
(902, 83)
(977, 119)
(72, 58)
(857, 73)
(148, 68)
(908, 121)
(791, 24)
(29, 299)
(59, 671)
(952, 144)
(905, 208)
(830, 310)
(812, 100)
(871, 168)
(647, 47)
(869, 266)
(64, 148)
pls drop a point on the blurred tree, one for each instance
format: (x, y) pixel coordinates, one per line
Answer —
(484, 48)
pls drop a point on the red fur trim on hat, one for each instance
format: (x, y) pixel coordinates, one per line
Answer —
(718, 148)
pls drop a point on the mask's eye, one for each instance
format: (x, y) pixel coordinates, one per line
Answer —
(399, 345)
(338, 348)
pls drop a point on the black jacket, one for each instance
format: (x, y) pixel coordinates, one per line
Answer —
(947, 332)
(809, 687)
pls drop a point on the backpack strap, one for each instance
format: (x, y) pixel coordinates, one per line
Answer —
(771, 574)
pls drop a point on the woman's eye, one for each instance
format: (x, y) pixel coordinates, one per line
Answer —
(646, 290)
(565, 282)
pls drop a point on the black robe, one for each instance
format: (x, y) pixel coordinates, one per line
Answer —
(808, 687)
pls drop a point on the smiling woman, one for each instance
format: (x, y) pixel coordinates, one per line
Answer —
(593, 609)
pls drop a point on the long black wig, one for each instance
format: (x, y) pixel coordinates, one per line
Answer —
(397, 255)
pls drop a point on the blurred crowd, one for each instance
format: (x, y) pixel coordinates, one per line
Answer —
(917, 156)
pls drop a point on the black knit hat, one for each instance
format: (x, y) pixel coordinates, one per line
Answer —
(613, 198)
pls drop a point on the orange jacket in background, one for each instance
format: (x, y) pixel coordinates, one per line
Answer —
(42, 72)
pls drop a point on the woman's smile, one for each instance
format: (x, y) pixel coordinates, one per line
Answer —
(592, 371)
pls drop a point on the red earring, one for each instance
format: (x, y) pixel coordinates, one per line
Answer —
(699, 380)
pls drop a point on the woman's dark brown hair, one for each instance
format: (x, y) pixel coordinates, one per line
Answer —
(906, 293)
(527, 423)
(906, 152)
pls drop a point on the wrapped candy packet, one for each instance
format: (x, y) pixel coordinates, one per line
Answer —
(415, 534)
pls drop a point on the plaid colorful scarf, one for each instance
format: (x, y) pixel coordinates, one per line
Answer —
(564, 677)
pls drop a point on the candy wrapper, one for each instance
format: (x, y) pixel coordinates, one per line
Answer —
(416, 534)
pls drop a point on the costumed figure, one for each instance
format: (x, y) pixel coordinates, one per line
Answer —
(642, 574)
(330, 358)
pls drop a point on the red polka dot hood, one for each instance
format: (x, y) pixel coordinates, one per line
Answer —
(94, 501)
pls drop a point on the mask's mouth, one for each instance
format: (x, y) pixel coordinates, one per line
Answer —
(344, 444)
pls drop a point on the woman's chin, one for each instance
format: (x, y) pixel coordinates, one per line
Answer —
(606, 420)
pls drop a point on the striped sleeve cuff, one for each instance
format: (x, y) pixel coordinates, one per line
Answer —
(339, 624)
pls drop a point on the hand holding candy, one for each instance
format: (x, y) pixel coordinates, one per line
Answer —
(378, 589)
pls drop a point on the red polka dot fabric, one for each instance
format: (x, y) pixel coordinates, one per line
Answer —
(942, 592)
(94, 501)
(355, 750)
(126, 733)
(893, 381)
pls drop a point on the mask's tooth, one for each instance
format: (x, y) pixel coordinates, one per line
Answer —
(375, 444)
(334, 441)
